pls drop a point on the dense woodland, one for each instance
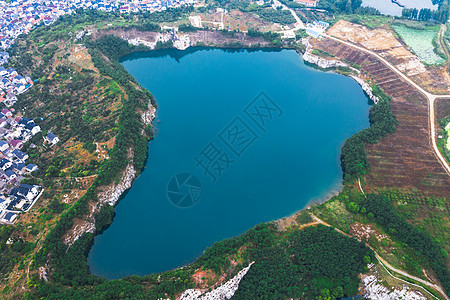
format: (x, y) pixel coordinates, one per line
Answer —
(320, 269)
(382, 122)
(354, 6)
(316, 262)
(340, 6)
(277, 16)
(425, 14)
(386, 216)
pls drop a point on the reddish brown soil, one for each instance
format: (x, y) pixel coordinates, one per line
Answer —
(405, 159)
(442, 108)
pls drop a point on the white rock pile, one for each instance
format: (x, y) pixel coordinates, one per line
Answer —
(225, 291)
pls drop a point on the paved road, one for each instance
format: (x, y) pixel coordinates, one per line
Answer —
(298, 25)
(392, 275)
(427, 283)
(389, 266)
(430, 97)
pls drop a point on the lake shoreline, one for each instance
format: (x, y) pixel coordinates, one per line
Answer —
(333, 191)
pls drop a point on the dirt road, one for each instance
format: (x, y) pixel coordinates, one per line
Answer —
(386, 265)
(430, 97)
(298, 25)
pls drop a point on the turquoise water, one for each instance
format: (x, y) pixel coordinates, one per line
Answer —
(276, 168)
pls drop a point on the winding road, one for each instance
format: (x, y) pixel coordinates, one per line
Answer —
(298, 25)
(387, 266)
(431, 122)
(430, 97)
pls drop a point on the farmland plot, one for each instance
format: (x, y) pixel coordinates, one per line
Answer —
(421, 42)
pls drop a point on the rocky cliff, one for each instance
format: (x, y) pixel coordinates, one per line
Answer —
(225, 291)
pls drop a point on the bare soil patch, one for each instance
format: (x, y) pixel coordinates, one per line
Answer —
(404, 159)
(81, 58)
(384, 42)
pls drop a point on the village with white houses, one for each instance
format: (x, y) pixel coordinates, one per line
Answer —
(11, 85)
(19, 17)
(14, 167)
(16, 18)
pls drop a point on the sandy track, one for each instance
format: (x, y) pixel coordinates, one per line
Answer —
(430, 98)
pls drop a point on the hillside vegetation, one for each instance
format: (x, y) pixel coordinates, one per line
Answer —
(85, 96)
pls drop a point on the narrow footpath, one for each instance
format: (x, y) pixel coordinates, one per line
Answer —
(386, 265)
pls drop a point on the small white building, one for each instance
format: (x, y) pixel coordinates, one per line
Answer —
(3, 146)
(21, 204)
(308, 3)
(52, 139)
(9, 217)
(35, 129)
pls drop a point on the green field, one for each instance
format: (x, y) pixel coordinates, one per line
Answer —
(421, 42)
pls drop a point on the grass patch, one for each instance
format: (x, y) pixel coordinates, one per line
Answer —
(443, 143)
(371, 21)
(322, 53)
(304, 218)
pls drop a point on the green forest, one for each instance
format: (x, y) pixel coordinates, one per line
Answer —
(314, 263)
(386, 216)
(353, 156)
(317, 262)
(320, 269)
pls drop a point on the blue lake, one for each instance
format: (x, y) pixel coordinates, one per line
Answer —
(264, 157)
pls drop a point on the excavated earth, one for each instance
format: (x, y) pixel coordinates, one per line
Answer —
(403, 160)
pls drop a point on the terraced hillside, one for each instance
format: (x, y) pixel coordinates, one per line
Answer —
(404, 159)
